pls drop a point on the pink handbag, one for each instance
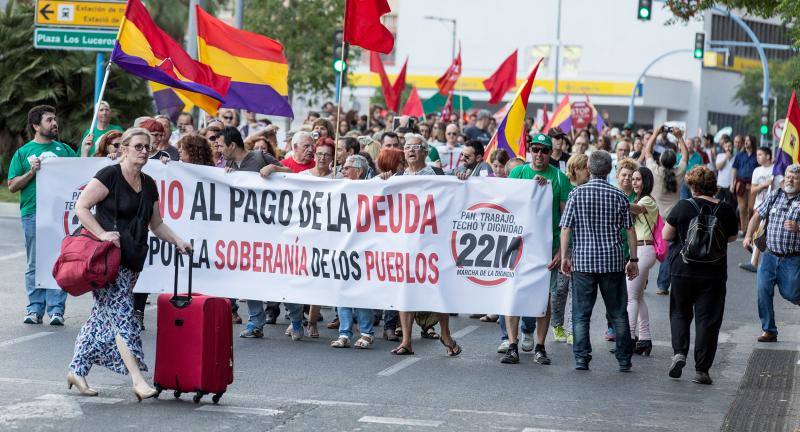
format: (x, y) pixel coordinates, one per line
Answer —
(659, 244)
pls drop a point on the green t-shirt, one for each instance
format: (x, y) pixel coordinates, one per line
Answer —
(694, 160)
(20, 165)
(561, 189)
(97, 133)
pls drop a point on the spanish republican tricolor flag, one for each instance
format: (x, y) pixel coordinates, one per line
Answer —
(144, 50)
(789, 147)
(510, 135)
(562, 117)
(256, 64)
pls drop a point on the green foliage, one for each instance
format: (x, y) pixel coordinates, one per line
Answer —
(173, 15)
(63, 79)
(784, 77)
(305, 28)
(788, 10)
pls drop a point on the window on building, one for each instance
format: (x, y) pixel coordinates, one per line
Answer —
(725, 29)
(717, 121)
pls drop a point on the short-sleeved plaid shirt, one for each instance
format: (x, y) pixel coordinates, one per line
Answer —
(596, 212)
(781, 208)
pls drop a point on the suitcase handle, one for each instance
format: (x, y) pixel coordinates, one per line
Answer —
(182, 301)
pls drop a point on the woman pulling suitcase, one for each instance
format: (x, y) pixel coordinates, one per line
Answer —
(126, 203)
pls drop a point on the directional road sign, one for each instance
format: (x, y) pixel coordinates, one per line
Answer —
(74, 39)
(79, 13)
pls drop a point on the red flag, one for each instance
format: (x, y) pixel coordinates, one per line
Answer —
(545, 116)
(391, 92)
(448, 108)
(413, 106)
(363, 27)
(503, 79)
(447, 82)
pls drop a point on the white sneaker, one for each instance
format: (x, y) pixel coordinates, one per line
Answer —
(527, 342)
(503, 347)
(296, 335)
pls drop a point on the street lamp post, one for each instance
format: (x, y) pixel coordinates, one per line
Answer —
(449, 21)
(558, 54)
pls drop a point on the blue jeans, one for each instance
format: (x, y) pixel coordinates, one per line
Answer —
(528, 325)
(39, 298)
(663, 270)
(784, 272)
(615, 297)
(364, 316)
(258, 316)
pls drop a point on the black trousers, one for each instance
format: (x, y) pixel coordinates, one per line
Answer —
(139, 301)
(704, 301)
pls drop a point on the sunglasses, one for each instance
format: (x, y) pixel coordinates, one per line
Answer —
(140, 147)
(543, 150)
(228, 117)
(213, 137)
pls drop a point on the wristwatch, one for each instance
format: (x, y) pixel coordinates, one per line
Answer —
(633, 260)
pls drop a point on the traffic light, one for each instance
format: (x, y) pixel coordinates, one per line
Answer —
(644, 10)
(699, 45)
(339, 61)
(764, 129)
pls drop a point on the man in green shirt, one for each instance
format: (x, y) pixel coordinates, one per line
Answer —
(543, 173)
(102, 126)
(27, 161)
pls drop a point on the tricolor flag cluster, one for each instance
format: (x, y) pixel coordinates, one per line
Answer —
(789, 148)
(236, 69)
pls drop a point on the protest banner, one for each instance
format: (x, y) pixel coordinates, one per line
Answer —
(407, 243)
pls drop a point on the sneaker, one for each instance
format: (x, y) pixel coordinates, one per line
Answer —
(625, 367)
(609, 335)
(559, 335)
(527, 342)
(748, 267)
(296, 335)
(662, 291)
(540, 356)
(511, 357)
(32, 318)
(503, 347)
(57, 320)
(235, 318)
(676, 368)
(702, 378)
(570, 339)
(251, 333)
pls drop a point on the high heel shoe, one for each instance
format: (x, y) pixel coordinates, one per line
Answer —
(643, 347)
(144, 395)
(80, 383)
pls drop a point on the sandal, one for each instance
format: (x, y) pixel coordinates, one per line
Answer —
(311, 331)
(489, 318)
(288, 331)
(452, 350)
(333, 324)
(363, 342)
(342, 342)
(401, 351)
(429, 333)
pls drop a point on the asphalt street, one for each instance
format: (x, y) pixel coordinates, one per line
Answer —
(306, 385)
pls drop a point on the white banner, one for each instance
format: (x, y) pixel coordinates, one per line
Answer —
(408, 243)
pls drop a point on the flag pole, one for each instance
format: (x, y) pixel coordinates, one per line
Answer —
(342, 69)
(100, 97)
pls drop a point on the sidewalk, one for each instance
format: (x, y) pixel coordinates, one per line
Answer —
(9, 210)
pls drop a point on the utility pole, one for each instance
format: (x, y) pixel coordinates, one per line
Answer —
(558, 54)
(239, 14)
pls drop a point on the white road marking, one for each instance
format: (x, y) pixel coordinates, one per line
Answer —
(239, 410)
(544, 430)
(24, 339)
(400, 421)
(464, 331)
(391, 370)
(327, 403)
(12, 256)
(49, 407)
(88, 399)
(497, 413)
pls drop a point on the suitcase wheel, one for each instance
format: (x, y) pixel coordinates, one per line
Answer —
(216, 398)
(177, 394)
(197, 396)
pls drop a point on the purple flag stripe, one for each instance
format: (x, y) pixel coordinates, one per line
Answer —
(258, 98)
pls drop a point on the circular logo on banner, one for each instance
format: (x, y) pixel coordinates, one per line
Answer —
(71, 222)
(486, 244)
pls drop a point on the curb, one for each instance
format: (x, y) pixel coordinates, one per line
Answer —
(9, 210)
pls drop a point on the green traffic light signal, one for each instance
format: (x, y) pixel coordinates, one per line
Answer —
(698, 53)
(764, 129)
(339, 65)
(644, 13)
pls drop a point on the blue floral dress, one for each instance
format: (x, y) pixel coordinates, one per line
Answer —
(112, 314)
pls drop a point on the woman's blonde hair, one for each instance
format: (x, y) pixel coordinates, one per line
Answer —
(134, 132)
(576, 162)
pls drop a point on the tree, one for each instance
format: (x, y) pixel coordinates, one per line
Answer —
(305, 28)
(173, 15)
(63, 79)
(784, 77)
(788, 10)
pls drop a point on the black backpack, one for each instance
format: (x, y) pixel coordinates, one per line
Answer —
(705, 241)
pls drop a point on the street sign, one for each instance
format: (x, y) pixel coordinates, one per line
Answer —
(777, 129)
(79, 13)
(74, 39)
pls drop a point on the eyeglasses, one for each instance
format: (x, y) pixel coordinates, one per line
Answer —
(140, 147)
(543, 150)
(451, 133)
(412, 147)
(227, 117)
(213, 137)
(324, 155)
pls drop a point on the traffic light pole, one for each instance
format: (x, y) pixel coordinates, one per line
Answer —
(632, 105)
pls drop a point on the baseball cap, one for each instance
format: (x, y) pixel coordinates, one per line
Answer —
(556, 132)
(542, 139)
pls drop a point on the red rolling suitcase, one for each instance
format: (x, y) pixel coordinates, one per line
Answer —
(194, 343)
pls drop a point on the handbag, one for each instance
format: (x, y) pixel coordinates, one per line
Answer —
(87, 263)
(659, 244)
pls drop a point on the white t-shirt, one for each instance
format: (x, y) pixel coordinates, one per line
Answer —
(762, 175)
(725, 175)
(450, 157)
